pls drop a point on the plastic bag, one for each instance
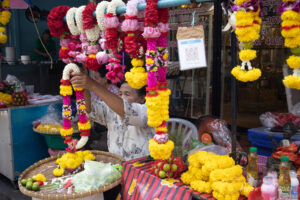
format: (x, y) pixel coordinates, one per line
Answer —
(17, 85)
(296, 109)
(51, 117)
(95, 175)
(278, 120)
(221, 134)
(216, 149)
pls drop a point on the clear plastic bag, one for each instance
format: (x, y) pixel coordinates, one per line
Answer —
(52, 117)
(296, 109)
(277, 120)
(17, 85)
(216, 149)
(221, 134)
(95, 175)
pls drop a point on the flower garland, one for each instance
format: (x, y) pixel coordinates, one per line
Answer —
(102, 57)
(83, 124)
(290, 26)
(90, 25)
(208, 173)
(111, 23)
(160, 147)
(247, 30)
(137, 77)
(60, 29)
(92, 31)
(83, 39)
(71, 22)
(5, 15)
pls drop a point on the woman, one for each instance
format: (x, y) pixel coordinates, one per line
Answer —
(100, 77)
(124, 115)
(39, 53)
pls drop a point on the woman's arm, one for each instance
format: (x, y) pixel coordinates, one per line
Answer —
(40, 53)
(113, 101)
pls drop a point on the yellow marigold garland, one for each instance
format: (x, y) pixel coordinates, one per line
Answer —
(247, 30)
(5, 15)
(208, 173)
(160, 151)
(291, 32)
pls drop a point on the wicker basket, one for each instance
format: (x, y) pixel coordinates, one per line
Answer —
(54, 139)
(46, 167)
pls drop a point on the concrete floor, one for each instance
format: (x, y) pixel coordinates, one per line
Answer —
(8, 190)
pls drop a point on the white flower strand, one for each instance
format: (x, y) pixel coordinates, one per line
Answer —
(112, 6)
(78, 18)
(71, 21)
(100, 14)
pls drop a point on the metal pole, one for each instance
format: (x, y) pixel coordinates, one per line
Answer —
(233, 92)
(160, 4)
(216, 64)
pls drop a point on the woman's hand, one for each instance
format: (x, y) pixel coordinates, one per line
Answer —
(82, 79)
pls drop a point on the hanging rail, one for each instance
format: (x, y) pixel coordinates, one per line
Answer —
(160, 4)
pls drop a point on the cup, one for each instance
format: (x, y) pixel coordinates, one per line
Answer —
(25, 59)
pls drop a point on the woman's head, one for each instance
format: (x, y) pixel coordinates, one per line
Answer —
(100, 75)
(132, 95)
(46, 35)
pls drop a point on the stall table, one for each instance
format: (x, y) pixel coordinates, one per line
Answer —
(20, 147)
(140, 184)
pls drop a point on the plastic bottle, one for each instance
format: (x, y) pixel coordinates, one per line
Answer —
(274, 176)
(294, 185)
(268, 190)
(252, 172)
(284, 188)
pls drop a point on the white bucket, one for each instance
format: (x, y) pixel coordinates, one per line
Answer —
(10, 53)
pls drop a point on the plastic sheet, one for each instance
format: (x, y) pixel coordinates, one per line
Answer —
(51, 117)
(95, 175)
(278, 120)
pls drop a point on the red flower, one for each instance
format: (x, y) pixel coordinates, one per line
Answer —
(56, 24)
(88, 20)
(151, 13)
(63, 53)
(92, 63)
(131, 45)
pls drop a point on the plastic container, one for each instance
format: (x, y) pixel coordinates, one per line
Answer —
(284, 187)
(252, 171)
(268, 190)
(261, 138)
(294, 185)
(56, 141)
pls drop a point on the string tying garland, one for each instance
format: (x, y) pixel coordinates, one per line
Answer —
(290, 30)
(247, 30)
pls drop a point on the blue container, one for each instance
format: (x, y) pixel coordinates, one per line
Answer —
(261, 138)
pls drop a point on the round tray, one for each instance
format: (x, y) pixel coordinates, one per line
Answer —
(44, 167)
(51, 132)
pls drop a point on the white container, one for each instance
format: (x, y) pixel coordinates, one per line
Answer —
(268, 190)
(29, 89)
(10, 53)
(25, 59)
(294, 185)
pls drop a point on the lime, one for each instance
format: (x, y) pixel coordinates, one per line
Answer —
(156, 170)
(162, 174)
(23, 182)
(30, 180)
(34, 178)
(36, 186)
(159, 164)
(29, 185)
(174, 168)
(296, 50)
(166, 167)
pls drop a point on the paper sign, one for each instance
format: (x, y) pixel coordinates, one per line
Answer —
(191, 48)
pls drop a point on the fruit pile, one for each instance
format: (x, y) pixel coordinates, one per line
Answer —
(34, 183)
(208, 173)
(19, 99)
(171, 168)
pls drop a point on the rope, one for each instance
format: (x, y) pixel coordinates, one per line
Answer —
(39, 36)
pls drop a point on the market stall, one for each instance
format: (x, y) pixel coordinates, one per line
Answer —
(213, 167)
